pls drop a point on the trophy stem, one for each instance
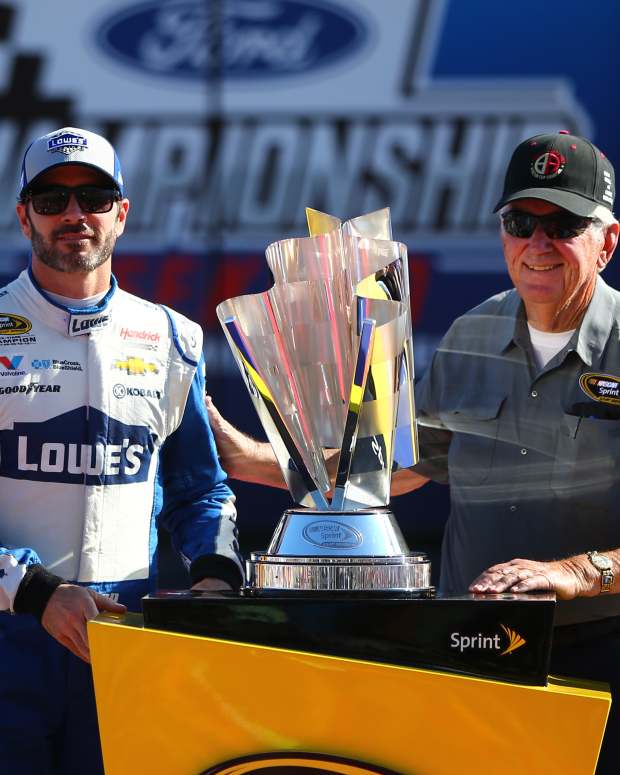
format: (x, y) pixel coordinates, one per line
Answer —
(356, 395)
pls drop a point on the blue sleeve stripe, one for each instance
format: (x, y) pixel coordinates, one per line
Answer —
(175, 338)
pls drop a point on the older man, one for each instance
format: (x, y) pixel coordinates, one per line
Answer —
(102, 432)
(520, 414)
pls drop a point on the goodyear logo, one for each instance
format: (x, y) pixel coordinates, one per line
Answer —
(14, 325)
(604, 388)
(135, 366)
(506, 644)
(296, 763)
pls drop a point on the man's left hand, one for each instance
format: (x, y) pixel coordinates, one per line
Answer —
(212, 585)
(564, 577)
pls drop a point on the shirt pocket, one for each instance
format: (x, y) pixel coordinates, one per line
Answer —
(474, 424)
(587, 459)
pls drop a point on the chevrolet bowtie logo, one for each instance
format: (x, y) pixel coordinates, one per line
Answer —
(515, 641)
(136, 366)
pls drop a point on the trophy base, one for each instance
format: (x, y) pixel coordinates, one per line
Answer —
(339, 552)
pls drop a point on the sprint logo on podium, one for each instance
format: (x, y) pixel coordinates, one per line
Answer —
(507, 643)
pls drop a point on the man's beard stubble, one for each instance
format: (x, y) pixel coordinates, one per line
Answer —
(68, 260)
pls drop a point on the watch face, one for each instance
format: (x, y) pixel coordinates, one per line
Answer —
(601, 562)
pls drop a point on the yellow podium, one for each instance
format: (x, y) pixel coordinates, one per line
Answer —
(184, 704)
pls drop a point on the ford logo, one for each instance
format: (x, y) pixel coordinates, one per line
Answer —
(234, 39)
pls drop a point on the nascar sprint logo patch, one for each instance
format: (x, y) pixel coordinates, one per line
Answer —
(296, 763)
(604, 388)
(14, 325)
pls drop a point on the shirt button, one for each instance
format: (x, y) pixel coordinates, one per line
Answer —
(534, 393)
(524, 451)
(513, 508)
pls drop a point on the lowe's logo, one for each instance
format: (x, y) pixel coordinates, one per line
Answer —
(77, 447)
(191, 39)
(66, 143)
(84, 324)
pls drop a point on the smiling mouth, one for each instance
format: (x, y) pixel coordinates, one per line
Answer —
(542, 267)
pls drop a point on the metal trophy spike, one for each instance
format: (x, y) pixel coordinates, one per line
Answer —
(327, 357)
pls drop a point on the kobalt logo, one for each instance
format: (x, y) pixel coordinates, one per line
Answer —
(190, 39)
(479, 642)
(120, 391)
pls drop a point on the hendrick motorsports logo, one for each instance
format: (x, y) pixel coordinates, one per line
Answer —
(503, 644)
(296, 763)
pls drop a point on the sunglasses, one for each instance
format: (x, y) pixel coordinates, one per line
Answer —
(91, 199)
(560, 225)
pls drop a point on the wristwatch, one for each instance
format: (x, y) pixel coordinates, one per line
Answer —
(603, 564)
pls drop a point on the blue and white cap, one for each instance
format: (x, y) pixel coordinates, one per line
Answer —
(70, 146)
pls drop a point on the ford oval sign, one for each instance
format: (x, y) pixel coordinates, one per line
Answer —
(194, 39)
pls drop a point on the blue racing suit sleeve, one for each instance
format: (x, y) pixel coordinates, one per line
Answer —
(25, 585)
(198, 506)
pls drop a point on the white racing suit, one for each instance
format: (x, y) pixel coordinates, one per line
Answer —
(103, 435)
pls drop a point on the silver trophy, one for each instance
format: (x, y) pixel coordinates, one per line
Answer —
(327, 357)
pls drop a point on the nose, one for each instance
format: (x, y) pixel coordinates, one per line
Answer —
(73, 212)
(539, 241)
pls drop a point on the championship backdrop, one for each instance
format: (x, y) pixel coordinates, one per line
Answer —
(231, 116)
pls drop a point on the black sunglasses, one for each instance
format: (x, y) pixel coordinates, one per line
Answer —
(560, 225)
(54, 199)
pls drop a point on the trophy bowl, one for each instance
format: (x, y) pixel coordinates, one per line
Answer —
(327, 357)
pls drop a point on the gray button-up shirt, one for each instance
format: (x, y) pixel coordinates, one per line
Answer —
(532, 460)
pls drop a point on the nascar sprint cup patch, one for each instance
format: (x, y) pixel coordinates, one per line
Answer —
(601, 387)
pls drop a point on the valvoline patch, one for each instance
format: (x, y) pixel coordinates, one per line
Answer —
(601, 387)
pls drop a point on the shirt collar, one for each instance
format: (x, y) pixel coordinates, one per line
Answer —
(597, 323)
(72, 322)
(588, 341)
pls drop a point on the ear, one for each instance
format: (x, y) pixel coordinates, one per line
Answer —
(608, 246)
(121, 218)
(22, 217)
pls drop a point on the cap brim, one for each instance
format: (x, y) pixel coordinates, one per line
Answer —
(77, 163)
(574, 203)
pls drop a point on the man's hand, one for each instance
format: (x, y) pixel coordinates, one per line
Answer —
(243, 457)
(67, 612)
(212, 585)
(567, 578)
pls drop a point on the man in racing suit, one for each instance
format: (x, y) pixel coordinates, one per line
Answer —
(103, 435)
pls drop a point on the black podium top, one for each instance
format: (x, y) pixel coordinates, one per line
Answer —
(504, 637)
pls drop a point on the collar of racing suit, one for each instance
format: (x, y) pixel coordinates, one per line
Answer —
(67, 320)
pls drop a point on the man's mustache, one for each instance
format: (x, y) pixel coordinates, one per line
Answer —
(77, 229)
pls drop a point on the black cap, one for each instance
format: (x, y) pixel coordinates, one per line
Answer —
(563, 169)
